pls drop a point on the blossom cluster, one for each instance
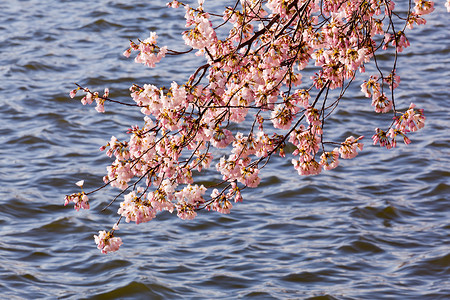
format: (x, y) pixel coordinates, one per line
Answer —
(106, 242)
(409, 121)
(254, 76)
(80, 200)
(149, 53)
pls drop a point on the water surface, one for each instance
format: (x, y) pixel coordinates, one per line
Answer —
(375, 228)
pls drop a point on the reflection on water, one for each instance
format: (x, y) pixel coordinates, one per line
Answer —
(375, 228)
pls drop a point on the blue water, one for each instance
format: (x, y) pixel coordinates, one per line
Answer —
(377, 227)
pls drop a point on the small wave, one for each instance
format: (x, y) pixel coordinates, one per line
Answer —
(372, 213)
(100, 24)
(136, 289)
(361, 246)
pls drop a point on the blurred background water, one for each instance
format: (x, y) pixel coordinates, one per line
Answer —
(375, 228)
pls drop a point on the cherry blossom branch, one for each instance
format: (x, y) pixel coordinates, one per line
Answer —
(256, 75)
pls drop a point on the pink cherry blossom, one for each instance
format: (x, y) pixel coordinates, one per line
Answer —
(80, 183)
(423, 7)
(330, 160)
(381, 137)
(136, 208)
(249, 177)
(80, 200)
(412, 120)
(185, 211)
(220, 204)
(127, 53)
(381, 103)
(73, 93)
(282, 117)
(307, 167)
(149, 53)
(158, 200)
(349, 148)
(371, 86)
(100, 105)
(415, 19)
(222, 138)
(174, 4)
(87, 99)
(392, 80)
(106, 242)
